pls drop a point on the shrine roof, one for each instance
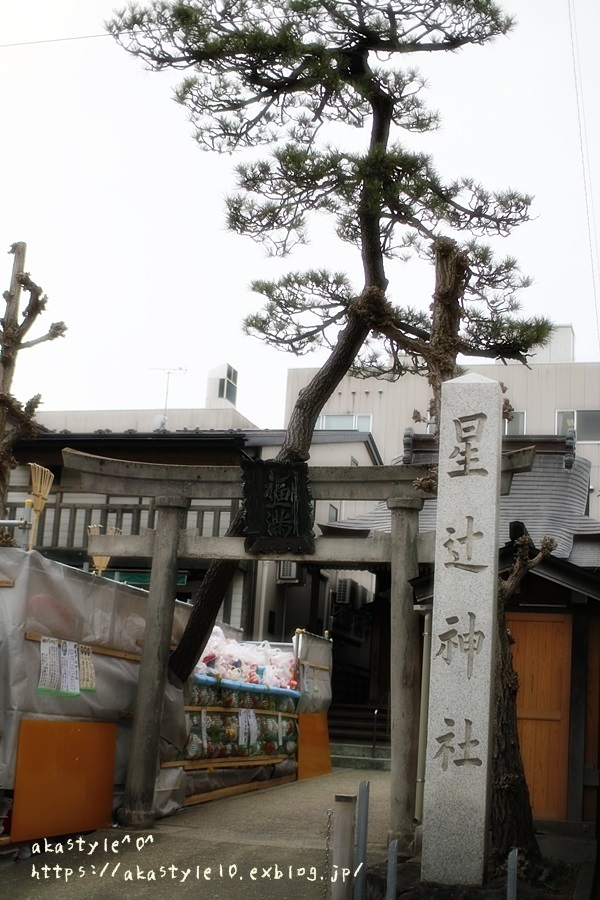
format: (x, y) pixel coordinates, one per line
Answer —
(550, 499)
(558, 571)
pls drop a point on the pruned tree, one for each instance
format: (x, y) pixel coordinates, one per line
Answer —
(295, 76)
(17, 420)
(310, 80)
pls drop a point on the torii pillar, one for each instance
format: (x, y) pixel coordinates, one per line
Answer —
(405, 674)
(138, 805)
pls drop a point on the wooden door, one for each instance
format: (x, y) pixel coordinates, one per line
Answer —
(542, 659)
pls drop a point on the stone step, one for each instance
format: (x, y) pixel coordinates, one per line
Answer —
(360, 762)
(382, 751)
(363, 725)
(354, 723)
(349, 735)
(356, 711)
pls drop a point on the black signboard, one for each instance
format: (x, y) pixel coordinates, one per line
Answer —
(278, 505)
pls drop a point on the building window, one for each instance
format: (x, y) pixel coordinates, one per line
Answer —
(586, 423)
(516, 424)
(228, 386)
(348, 422)
(565, 419)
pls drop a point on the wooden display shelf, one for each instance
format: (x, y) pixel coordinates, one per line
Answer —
(220, 762)
(237, 789)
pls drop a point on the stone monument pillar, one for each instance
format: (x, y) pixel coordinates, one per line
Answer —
(460, 729)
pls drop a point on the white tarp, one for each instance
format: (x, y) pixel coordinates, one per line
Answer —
(58, 677)
(48, 599)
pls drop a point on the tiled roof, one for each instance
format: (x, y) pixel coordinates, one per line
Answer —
(551, 500)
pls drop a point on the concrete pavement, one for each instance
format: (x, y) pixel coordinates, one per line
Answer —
(269, 844)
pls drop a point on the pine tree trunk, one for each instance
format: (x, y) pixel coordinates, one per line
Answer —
(310, 402)
(295, 448)
(204, 612)
(451, 272)
(369, 306)
(511, 816)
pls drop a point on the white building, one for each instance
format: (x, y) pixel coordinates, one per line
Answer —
(549, 396)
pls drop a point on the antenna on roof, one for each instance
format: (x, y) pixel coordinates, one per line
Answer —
(160, 423)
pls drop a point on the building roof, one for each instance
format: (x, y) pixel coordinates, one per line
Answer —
(200, 447)
(558, 571)
(189, 445)
(550, 499)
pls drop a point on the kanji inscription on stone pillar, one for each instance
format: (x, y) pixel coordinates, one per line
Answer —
(460, 724)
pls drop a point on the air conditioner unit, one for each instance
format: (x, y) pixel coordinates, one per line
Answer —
(346, 591)
(288, 572)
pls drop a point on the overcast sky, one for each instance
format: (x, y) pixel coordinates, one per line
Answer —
(124, 222)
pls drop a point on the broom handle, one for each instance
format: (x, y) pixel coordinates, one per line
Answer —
(33, 532)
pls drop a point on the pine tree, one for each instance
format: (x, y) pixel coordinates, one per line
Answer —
(303, 78)
(292, 75)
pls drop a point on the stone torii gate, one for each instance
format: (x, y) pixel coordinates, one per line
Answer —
(172, 487)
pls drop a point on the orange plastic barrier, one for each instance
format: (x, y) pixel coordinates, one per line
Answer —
(64, 778)
(314, 757)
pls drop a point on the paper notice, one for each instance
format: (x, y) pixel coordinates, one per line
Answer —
(243, 727)
(87, 673)
(69, 669)
(50, 665)
(204, 728)
(252, 727)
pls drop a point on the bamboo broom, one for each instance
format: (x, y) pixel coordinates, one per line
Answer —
(41, 482)
(101, 562)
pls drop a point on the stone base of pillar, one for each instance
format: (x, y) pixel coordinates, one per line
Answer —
(135, 818)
